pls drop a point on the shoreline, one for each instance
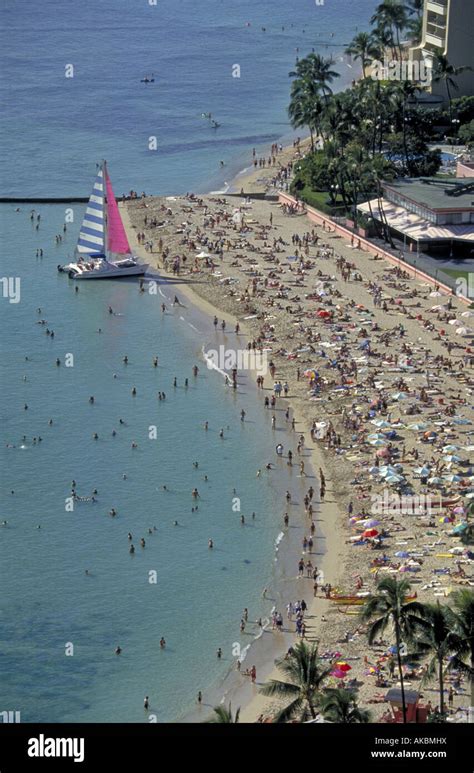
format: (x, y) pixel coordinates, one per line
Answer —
(232, 285)
(245, 695)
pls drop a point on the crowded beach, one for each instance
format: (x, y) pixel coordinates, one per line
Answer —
(371, 367)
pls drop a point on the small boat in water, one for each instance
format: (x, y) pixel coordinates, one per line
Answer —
(102, 250)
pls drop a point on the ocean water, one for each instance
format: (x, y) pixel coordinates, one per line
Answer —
(53, 131)
(55, 128)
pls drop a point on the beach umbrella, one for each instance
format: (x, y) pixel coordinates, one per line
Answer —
(370, 523)
(338, 673)
(452, 478)
(467, 314)
(392, 479)
(376, 436)
(417, 426)
(402, 554)
(445, 519)
(370, 533)
(459, 510)
(203, 254)
(389, 469)
(435, 294)
(459, 529)
(343, 666)
(378, 443)
(322, 313)
(470, 495)
(423, 472)
(455, 322)
(439, 307)
(381, 423)
(464, 331)
(399, 396)
(451, 458)
(436, 481)
(461, 420)
(450, 447)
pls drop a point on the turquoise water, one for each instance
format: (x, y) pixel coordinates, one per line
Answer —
(54, 131)
(47, 599)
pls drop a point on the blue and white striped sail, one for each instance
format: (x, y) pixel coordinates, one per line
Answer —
(92, 234)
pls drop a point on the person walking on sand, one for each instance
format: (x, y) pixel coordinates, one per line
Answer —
(253, 674)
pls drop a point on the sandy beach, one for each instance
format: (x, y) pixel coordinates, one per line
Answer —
(378, 367)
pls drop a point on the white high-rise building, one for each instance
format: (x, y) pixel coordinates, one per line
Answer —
(448, 29)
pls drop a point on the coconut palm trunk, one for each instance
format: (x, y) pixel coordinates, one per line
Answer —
(400, 671)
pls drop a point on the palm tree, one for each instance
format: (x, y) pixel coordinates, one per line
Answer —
(316, 72)
(305, 676)
(389, 609)
(340, 706)
(461, 619)
(391, 16)
(444, 72)
(223, 715)
(305, 110)
(436, 637)
(362, 47)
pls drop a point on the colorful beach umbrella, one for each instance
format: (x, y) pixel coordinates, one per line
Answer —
(370, 533)
(343, 666)
(452, 458)
(417, 426)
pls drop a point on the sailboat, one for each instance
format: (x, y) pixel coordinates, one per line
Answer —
(102, 238)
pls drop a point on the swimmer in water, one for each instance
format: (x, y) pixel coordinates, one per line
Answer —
(210, 544)
(162, 643)
(112, 512)
(131, 550)
(125, 360)
(129, 536)
(118, 650)
(221, 433)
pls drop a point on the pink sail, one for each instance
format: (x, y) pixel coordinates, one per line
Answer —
(117, 241)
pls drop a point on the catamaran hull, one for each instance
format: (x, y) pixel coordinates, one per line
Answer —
(112, 273)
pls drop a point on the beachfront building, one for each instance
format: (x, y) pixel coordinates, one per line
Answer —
(428, 214)
(448, 29)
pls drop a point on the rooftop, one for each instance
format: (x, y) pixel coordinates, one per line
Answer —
(435, 193)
